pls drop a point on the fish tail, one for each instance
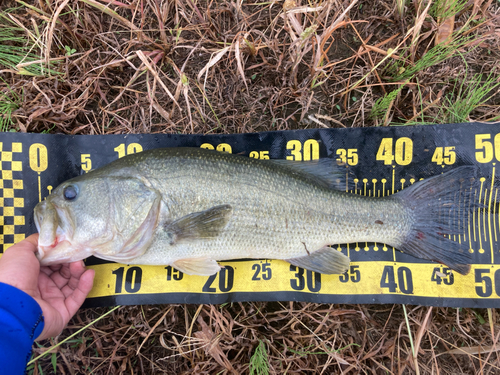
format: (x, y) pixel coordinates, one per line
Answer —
(440, 207)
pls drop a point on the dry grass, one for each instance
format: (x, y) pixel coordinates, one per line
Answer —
(159, 66)
(299, 338)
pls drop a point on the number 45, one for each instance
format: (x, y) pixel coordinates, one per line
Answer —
(444, 155)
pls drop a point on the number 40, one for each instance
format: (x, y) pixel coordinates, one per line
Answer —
(402, 153)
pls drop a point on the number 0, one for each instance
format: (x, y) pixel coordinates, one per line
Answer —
(38, 157)
(404, 151)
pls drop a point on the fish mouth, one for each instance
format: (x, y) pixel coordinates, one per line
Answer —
(54, 253)
(59, 253)
(54, 245)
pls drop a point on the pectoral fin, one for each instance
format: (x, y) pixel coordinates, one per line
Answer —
(325, 260)
(199, 225)
(197, 266)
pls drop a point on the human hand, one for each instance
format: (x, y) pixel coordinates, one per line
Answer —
(59, 290)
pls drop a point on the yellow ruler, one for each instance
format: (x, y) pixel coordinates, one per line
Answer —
(381, 161)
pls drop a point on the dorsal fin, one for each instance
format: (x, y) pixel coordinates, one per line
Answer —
(328, 172)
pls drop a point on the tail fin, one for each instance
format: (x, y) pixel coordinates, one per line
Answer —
(441, 207)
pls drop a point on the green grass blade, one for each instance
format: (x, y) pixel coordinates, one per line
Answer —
(17, 48)
(259, 364)
(73, 335)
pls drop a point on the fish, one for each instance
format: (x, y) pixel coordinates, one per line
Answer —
(191, 207)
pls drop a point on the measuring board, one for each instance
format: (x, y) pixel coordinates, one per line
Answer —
(381, 162)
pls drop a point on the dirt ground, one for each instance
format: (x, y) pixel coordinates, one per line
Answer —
(196, 66)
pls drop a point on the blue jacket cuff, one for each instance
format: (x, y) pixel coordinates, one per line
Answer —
(21, 322)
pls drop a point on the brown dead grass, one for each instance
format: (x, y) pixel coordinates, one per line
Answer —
(300, 338)
(158, 66)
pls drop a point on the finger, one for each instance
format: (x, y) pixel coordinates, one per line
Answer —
(33, 239)
(47, 287)
(55, 267)
(19, 266)
(28, 245)
(76, 299)
(61, 277)
(46, 270)
(76, 269)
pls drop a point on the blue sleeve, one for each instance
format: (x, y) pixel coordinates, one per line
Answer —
(21, 322)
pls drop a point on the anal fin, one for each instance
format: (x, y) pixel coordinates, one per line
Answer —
(325, 260)
(197, 266)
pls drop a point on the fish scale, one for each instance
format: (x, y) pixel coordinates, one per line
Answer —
(263, 201)
(189, 207)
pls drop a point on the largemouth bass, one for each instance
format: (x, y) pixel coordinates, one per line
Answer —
(190, 207)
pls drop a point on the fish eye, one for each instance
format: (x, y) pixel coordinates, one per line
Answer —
(70, 192)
